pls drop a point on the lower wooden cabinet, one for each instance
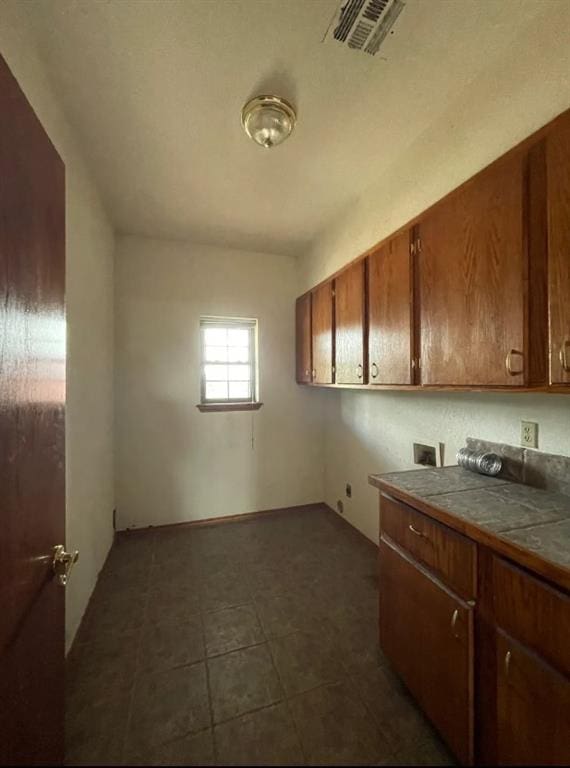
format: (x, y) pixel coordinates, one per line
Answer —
(490, 668)
(427, 633)
(533, 708)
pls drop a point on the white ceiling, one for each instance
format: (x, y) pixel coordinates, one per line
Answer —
(154, 89)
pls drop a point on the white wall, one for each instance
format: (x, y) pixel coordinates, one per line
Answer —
(372, 432)
(174, 463)
(89, 295)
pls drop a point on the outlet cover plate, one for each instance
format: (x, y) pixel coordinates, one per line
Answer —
(529, 434)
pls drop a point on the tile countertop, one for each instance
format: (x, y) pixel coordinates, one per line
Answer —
(530, 520)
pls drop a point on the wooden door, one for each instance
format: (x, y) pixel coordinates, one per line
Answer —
(349, 325)
(32, 433)
(533, 708)
(472, 273)
(558, 175)
(303, 339)
(322, 334)
(427, 634)
(390, 313)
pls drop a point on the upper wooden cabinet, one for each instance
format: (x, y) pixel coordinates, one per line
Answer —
(390, 311)
(558, 172)
(472, 268)
(303, 339)
(322, 333)
(474, 293)
(349, 325)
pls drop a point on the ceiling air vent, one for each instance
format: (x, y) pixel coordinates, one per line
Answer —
(363, 24)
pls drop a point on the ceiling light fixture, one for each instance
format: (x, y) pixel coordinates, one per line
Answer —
(268, 120)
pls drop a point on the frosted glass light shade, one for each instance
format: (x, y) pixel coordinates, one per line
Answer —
(268, 120)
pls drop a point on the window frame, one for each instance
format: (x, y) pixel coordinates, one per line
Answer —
(230, 403)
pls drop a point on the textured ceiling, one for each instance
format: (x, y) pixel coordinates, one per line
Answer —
(155, 88)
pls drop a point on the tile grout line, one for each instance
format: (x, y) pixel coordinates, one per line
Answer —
(209, 692)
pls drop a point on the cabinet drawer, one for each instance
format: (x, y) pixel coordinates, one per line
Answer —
(532, 612)
(451, 556)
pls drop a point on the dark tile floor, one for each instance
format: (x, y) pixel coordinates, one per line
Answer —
(239, 644)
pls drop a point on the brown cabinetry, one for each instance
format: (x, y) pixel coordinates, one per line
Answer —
(558, 173)
(390, 310)
(533, 708)
(427, 633)
(322, 333)
(303, 339)
(349, 325)
(472, 267)
(500, 695)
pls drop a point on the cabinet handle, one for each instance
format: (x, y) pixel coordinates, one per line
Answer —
(509, 362)
(508, 656)
(314, 373)
(454, 617)
(307, 372)
(374, 370)
(416, 532)
(564, 356)
(359, 370)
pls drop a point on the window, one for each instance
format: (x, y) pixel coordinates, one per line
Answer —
(229, 368)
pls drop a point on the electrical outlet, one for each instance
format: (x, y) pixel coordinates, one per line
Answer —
(348, 490)
(340, 507)
(529, 434)
(424, 455)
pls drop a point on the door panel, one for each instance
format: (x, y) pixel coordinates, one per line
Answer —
(558, 174)
(533, 708)
(303, 337)
(349, 325)
(390, 313)
(32, 433)
(472, 273)
(427, 634)
(322, 333)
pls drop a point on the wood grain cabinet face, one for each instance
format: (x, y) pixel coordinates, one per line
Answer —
(558, 185)
(533, 708)
(349, 325)
(322, 334)
(390, 313)
(303, 339)
(472, 272)
(427, 633)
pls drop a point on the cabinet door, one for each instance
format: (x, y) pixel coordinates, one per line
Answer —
(303, 338)
(472, 271)
(390, 313)
(427, 634)
(349, 325)
(533, 708)
(322, 334)
(558, 175)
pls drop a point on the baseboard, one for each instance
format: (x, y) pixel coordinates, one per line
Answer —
(207, 521)
(352, 527)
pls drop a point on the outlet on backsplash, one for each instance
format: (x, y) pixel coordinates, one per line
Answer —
(529, 434)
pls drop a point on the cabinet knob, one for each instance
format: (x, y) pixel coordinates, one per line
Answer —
(374, 370)
(307, 372)
(508, 656)
(359, 370)
(314, 373)
(416, 532)
(564, 356)
(509, 362)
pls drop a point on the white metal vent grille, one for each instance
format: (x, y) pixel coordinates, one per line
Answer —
(364, 24)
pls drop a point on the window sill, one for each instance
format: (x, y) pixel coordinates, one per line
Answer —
(221, 407)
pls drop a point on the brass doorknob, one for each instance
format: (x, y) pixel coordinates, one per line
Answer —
(63, 562)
